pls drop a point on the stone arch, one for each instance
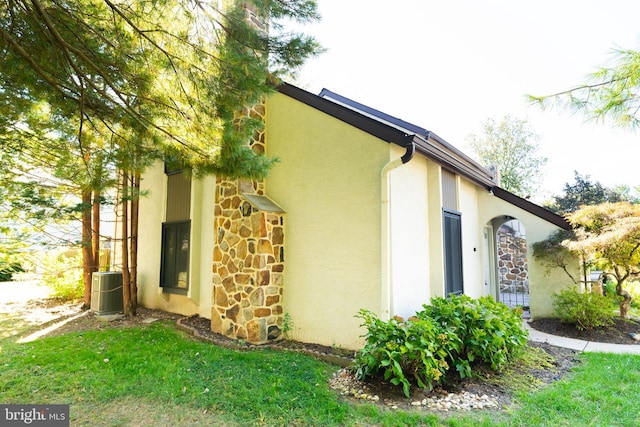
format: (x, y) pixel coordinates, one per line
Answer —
(507, 276)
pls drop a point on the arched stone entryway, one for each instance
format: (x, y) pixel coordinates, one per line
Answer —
(506, 266)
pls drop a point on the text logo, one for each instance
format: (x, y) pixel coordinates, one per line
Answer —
(34, 415)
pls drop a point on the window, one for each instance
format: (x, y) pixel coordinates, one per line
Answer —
(176, 235)
(452, 253)
(174, 268)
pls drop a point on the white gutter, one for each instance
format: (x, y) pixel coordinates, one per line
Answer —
(386, 288)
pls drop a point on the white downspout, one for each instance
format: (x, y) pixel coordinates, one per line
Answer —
(386, 290)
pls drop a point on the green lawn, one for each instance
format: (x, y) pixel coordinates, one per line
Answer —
(155, 375)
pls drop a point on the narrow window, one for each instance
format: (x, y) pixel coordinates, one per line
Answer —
(452, 253)
(174, 270)
(176, 234)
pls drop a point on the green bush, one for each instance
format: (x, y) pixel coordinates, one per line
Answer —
(8, 269)
(585, 310)
(490, 331)
(63, 274)
(455, 333)
(397, 349)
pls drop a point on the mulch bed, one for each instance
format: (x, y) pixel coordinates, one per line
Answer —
(201, 328)
(618, 333)
(389, 395)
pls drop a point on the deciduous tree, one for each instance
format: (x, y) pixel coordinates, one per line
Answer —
(510, 146)
(607, 235)
(583, 192)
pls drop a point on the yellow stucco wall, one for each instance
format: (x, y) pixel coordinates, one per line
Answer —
(542, 282)
(152, 213)
(436, 240)
(471, 238)
(418, 259)
(409, 235)
(328, 182)
(202, 223)
(152, 209)
(417, 235)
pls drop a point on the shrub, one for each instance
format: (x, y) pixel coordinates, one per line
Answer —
(490, 331)
(454, 333)
(7, 271)
(63, 274)
(397, 348)
(585, 310)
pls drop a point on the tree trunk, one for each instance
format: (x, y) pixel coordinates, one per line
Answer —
(625, 303)
(95, 240)
(133, 277)
(126, 288)
(87, 253)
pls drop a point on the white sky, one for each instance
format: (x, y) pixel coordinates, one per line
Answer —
(449, 65)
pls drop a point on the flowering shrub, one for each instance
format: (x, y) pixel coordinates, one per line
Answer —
(451, 333)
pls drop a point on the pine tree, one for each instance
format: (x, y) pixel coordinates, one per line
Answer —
(91, 87)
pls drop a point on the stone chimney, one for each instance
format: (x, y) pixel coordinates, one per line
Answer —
(248, 256)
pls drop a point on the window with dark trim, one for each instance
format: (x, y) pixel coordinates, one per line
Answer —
(176, 234)
(174, 267)
(452, 225)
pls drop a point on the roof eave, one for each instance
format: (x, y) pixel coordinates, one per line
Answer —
(431, 146)
(348, 115)
(532, 208)
(439, 150)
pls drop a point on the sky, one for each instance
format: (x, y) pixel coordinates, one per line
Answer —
(450, 65)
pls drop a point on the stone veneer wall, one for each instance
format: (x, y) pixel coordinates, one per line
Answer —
(248, 260)
(512, 263)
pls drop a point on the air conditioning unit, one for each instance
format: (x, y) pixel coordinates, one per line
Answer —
(106, 292)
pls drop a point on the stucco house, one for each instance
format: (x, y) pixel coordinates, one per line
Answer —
(363, 210)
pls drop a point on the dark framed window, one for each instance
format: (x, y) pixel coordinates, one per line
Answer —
(172, 165)
(174, 267)
(452, 252)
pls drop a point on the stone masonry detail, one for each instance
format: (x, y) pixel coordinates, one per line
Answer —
(248, 260)
(512, 263)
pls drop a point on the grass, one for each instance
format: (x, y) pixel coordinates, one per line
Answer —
(603, 391)
(157, 364)
(155, 375)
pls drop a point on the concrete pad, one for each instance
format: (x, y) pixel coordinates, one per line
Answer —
(109, 317)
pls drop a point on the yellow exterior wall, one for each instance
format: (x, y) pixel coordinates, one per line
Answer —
(328, 182)
(418, 257)
(152, 211)
(473, 279)
(436, 230)
(409, 235)
(202, 223)
(542, 282)
(152, 214)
